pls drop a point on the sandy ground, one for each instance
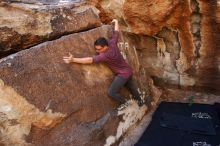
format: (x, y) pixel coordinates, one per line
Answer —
(172, 95)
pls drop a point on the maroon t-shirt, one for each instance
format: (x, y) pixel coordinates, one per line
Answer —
(113, 58)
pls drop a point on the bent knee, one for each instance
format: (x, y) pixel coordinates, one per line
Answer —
(111, 93)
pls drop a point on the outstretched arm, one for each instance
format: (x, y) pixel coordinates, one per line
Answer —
(115, 21)
(115, 36)
(71, 59)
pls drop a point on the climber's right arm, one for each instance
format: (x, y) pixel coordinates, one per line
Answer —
(70, 59)
(116, 26)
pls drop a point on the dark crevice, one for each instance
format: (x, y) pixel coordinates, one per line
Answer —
(39, 2)
(195, 23)
(70, 33)
(49, 38)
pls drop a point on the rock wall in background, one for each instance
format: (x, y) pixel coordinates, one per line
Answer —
(182, 38)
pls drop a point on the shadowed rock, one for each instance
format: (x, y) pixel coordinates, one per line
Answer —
(182, 48)
(24, 25)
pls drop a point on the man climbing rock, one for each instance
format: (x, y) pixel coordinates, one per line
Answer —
(109, 53)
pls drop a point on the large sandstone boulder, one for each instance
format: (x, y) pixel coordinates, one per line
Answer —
(180, 38)
(24, 25)
(49, 103)
(182, 35)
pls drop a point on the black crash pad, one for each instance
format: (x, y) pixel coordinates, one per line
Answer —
(182, 124)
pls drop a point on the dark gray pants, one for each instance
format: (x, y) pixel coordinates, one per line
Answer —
(118, 83)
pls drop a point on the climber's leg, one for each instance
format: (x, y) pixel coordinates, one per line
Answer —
(133, 89)
(114, 88)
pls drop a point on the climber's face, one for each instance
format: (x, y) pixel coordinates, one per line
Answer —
(101, 49)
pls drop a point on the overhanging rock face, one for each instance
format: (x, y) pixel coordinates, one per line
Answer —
(183, 44)
(25, 25)
(74, 96)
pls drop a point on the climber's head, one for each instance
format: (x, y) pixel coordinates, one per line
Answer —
(101, 45)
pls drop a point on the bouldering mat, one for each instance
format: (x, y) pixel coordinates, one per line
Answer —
(183, 124)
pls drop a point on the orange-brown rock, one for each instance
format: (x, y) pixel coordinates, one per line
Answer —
(182, 44)
(208, 67)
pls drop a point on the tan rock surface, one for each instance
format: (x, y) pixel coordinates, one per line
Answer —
(24, 25)
(40, 77)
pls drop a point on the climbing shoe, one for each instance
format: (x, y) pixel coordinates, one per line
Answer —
(140, 103)
(122, 106)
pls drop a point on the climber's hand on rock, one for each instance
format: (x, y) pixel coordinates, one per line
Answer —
(116, 27)
(68, 59)
(114, 21)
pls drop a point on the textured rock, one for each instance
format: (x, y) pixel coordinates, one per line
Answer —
(208, 72)
(174, 42)
(17, 116)
(79, 92)
(43, 2)
(24, 25)
(181, 46)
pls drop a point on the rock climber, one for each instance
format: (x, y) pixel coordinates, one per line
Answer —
(108, 52)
